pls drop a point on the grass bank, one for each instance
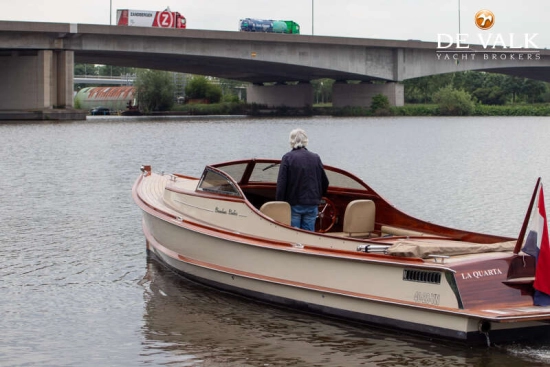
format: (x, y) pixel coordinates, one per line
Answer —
(328, 110)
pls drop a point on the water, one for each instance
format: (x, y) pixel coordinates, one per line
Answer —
(76, 287)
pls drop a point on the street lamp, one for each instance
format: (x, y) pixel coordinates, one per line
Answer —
(110, 12)
(459, 17)
(312, 19)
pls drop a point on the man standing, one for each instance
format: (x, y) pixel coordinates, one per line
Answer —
(302, 181)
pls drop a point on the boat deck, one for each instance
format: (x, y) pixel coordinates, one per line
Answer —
(151, 192)
(446, 251)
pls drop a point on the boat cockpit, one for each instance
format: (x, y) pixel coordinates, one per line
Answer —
(350, 208)
(257, 181)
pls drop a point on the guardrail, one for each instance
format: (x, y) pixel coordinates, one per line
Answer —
(101, 79)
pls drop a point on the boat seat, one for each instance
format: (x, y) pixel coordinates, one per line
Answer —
(358, 219)
(277, 210)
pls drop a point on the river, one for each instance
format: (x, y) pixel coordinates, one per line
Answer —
(76, 286)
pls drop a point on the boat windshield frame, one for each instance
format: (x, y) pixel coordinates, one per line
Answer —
(218, 182)
(265, 171)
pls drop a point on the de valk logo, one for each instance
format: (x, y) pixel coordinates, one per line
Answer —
(486, 45)
(484, 19)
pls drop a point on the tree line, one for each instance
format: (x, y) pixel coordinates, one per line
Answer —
(485, 88)
(159, 90)
(482, 87)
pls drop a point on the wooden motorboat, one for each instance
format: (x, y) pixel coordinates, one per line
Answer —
(367, 261)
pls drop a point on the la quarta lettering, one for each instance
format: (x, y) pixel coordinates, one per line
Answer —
(481, 274)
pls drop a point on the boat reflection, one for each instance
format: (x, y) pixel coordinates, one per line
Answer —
(190, 324)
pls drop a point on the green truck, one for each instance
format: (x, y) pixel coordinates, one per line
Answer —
(269, 26)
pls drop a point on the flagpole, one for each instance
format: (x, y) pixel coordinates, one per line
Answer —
(526, 220)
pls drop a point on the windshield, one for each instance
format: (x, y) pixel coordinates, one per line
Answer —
(266, 171)
(212, 181)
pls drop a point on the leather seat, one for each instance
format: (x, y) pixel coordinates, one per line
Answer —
(358, 219)
(277, 210)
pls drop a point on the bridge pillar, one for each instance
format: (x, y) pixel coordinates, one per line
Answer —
(298, 95)
(361, 94)
(38, 81)
(65, 79)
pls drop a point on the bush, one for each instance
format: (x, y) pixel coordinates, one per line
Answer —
(196, 87)
(213, 93)
(213, 109)
(380, 105)
(416, 110)
(454, 102)
(513, 110)
(230, 98)
(352, 111)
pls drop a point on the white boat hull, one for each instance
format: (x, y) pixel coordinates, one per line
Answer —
(266, 277)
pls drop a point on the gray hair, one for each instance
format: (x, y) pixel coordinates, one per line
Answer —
(298, 138)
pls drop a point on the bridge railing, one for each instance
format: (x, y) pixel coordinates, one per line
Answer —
(105, 79)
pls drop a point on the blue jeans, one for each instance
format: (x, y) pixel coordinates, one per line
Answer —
(304, 216)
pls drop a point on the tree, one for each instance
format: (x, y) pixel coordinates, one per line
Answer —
(454, 102)
(155, 90)
(490, 95)
(85, 69)
(534, 90)
(424, 88)
(513, 87)
(469, 80)
(322, 90)
(196, 87)
(199, 87)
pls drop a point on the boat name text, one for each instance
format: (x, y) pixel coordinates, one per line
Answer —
(223, 211)
(427, 298)
(481, 274)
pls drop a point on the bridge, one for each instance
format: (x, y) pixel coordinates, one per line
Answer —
(110, 80)
(36, 61)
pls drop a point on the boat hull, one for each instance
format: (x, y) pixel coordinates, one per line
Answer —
(289, 278)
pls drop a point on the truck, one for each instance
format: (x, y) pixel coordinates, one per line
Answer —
(269, 25)
(147, 18)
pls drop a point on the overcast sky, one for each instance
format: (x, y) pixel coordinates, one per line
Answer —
(385, 19)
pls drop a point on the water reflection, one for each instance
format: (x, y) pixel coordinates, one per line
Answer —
(190, 324)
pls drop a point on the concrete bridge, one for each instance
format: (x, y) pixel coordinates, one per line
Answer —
(36, 61)
(109, 80)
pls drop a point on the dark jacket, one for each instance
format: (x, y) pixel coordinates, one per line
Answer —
(302, 179)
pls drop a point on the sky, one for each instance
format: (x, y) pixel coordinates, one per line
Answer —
(381, 19)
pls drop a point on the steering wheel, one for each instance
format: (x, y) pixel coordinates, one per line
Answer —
(326, 216)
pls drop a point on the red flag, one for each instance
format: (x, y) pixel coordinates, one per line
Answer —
(542, 273)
